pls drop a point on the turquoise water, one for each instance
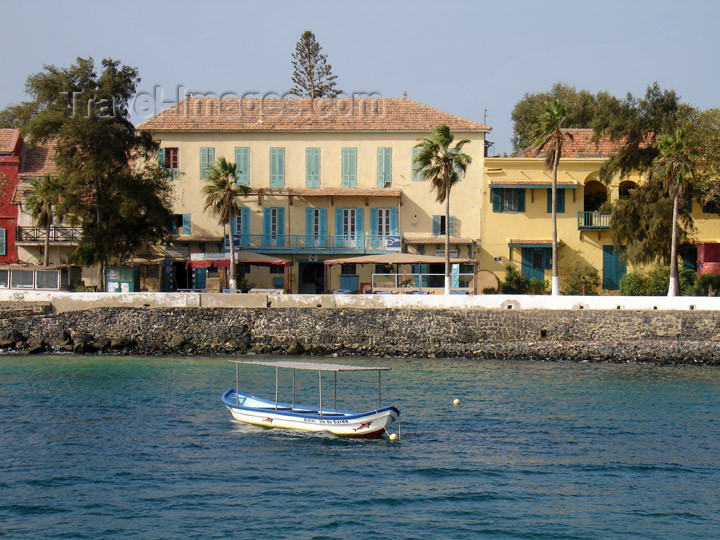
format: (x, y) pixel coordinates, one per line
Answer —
(141, 447)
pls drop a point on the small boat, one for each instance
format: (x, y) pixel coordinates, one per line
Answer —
(275, 414)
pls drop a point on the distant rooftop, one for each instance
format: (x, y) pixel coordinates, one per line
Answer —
(8, 140)
(39, 160)
(581, 146)
(304, 115)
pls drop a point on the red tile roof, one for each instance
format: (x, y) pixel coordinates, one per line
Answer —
(39, 161)
(533, 183)
(581, 146)
(8, 140)
(345, 192)
(304, 114)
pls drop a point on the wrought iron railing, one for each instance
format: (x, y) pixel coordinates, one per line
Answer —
(594, 221)
(57, 234)
(302, 243)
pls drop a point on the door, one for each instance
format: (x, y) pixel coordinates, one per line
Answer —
(535, 261)
(614, 268)
(312, 278)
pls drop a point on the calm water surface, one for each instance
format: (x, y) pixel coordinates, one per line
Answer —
(141, 447)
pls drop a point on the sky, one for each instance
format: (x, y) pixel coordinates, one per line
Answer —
(468, 58)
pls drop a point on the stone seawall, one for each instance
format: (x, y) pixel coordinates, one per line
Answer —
(617, 336)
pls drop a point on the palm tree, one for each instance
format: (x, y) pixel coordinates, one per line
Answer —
(443, 166)
(221, 195)
(674, 166)
(43, 205)
(550, 137)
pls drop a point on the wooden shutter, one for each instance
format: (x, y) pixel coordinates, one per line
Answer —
(161, 158)
(451, 227)
(242, 165)
(244, 226)
(384, 166)
(436, 225)
(312, 167)
(277, 167)
(560, 200)
(521, 200)
(3, 242)
(186, 224)
(414, 175)
(496, 201)
(393, 221)
(349, 167)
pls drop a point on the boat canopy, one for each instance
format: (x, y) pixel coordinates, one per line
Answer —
(315, 366)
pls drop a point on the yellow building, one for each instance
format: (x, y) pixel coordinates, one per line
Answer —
(517, 225)
(328, 178)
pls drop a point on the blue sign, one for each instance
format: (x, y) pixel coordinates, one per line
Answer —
(236, 241)
(393, 242)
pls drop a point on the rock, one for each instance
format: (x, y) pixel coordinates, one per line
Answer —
(177, 341)
(120, 343)
(35, 346)
(101, 344)
(295, 348)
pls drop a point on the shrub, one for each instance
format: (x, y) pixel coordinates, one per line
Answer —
(581, 279)
(515, 282)
(489, 290)
(707, 285)
(656, 282)
(535, 286)
(633, 284)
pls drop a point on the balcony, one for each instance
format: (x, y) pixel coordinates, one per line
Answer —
(594, 221)
(329, 244)
(36, 235)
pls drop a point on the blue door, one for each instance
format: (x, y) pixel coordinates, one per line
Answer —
(614, 268)
(534, 262)
(349, 282)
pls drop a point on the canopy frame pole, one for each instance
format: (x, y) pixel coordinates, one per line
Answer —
(276, 387)
(293, 398)
(320, 386)
(237, 384)
(379, 372)
(335, 396)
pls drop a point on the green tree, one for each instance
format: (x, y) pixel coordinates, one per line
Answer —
(443, 165)
(44, 205)
(112, 186)
(17, 115)
(312, 75)
(674, 166)
(221, 193)
(550, 137)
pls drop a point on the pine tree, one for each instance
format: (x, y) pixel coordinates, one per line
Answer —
(312, 75)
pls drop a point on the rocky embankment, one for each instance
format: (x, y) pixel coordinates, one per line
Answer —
(691, 337)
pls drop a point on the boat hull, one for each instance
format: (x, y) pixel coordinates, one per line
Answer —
(342, 423)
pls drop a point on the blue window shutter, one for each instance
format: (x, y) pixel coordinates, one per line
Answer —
(244, 226)
(452, 226)
(3, 242)
(309, 214)
(359, 221)
(436, 225)
(381, 167)
(242, 165)
(323, 226)
(549, 200)
(349, 167)
(186, 224)
(277, 167)
(338, 221)
(312, 167)
(393, 221)
(495, 199)
(388, 165)
(207, 158)
(547, 256)
(521, 200)
(373, 227)
(281, 226)
(233, 224)
(161, 158)
(353, 167)
(384, 166)
(560, 201)
(415, 176)
(266, 226)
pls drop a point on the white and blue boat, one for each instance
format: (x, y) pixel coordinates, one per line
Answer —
(268, 413)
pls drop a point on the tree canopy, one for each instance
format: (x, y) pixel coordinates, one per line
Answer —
(312, 74)
(112, 187)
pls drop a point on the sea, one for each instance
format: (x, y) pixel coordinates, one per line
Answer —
(107, 447)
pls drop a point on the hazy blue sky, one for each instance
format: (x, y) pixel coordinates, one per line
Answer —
(461, 57)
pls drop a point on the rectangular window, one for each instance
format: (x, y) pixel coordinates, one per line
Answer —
(508, 199)
(21, 279)
(414, 174)
(4, 275)
(560, 201)
(383, 225)
(168, 160)
(312, 167)
(439, 225)
(349, 167)
(349, 223)
(348, 269)
(3, 242)
(242, 165)
(382, 269)
(274, 227)
(207, 159)
(277, 269)
(243, 268)
(384, 178)
(277, 167)
(47, 279)
(180, 224)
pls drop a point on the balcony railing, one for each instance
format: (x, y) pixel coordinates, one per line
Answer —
(594, 221)
(301, 243)
(57, 234)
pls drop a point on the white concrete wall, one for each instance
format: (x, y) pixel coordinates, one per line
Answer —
(66, 301)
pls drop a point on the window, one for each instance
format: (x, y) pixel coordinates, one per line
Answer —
(349, 227)
(560, 200)
(3, 242)
(315, 227)
(168, 160)
(383, 268)
(349, 222)
(274, 227)
(242, 165)
(439, 225)
(47, 279)
(21, 279)
(349, 167)
(277, 269)
(384, 178)
(180, 224)
(348, 269)
(312, 167)
(508, 199)
(4, 275)
(277, 167)
(207, 158)
(150, 271)
(383, 223)
(415, 175)
(243, 268)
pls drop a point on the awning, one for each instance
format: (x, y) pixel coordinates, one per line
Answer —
(241, 257)
(397, 258)
(529, 184)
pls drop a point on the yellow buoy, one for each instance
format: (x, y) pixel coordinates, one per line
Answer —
(456, 401)
(393, 436)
